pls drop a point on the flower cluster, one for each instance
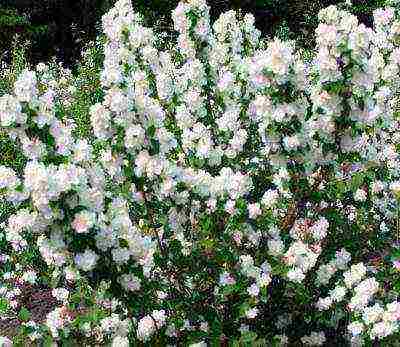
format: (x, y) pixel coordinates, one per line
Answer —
(224, 184)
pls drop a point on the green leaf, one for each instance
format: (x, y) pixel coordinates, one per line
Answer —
(356, 181)
(24, 314)
(48, 341)
(249, 337)
(3, 305)
(341, 188)
(243, 308)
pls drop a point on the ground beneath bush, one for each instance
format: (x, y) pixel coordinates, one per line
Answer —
(37, 300)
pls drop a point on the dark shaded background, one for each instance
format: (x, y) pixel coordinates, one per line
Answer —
(61, 27)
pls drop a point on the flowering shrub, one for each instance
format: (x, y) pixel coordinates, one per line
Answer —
(228, 190)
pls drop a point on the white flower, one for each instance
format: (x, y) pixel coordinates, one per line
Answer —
(383, 16)
(254, 210)
(70, 274)
(160, 317)
(278, 57)
(121, 255)
(252, 313)
(56, 320)
(372, 314)
(338, 293)
(134, 136)
(377, 187)
(83, 221)
(82, 151)
(25, 86)
(314, 339)
(100, 120)
(30, 276)
(383, 329)
(393, 311)
(86, 328)
(320, 229)
(10, 111)
(296, 275)
(5, 342)
(276, 247)
(395, 187)
(40, 67)
(226, 80)
(230, 206)
(146, 328)
(354, 275)
(264, 280)
(300, 255)
(86, 260)
(198, 344)
(291, 142)
(253, 290)
(204, 326)
(130, 282)
(226, 279)
(355, 328)
(61, 294)
(325, 272)
(360, 195)
(324, 303)
(270, 198)
(120, 341)
(342, 259)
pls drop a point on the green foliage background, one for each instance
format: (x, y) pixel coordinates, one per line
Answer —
(61, 28)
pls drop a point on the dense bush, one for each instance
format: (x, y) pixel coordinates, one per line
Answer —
(218, 189)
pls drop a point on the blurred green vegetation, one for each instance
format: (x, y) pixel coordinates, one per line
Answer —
(62, 28)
